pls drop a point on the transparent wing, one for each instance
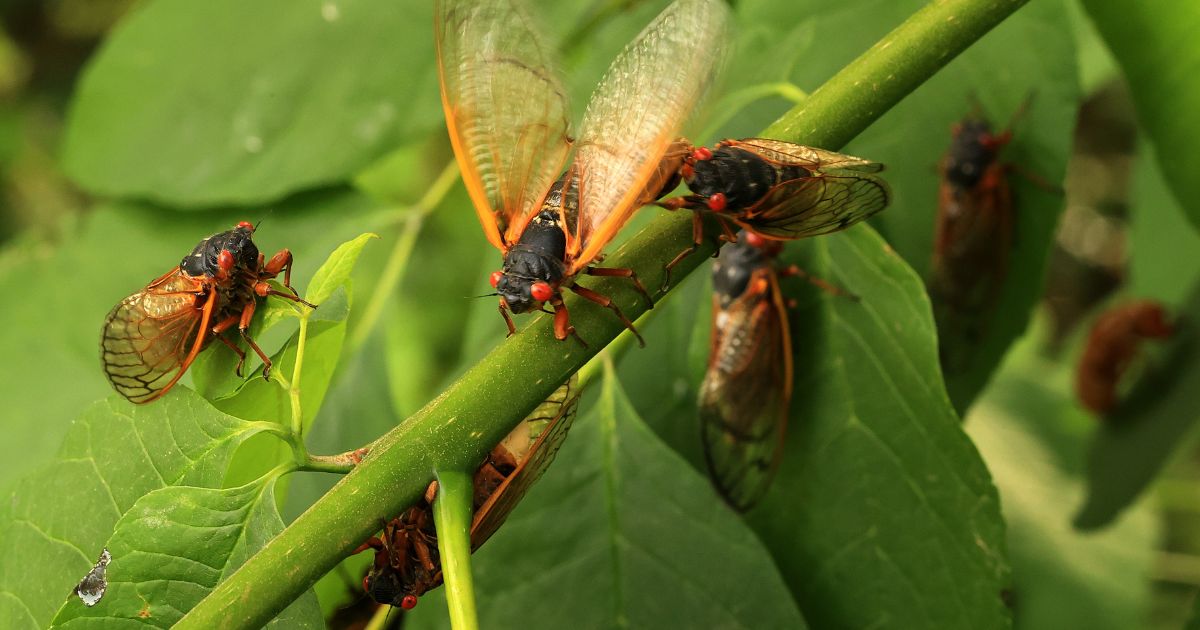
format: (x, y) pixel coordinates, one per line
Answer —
(811, 158)
(744, 397)
(823, 203)
(636, 113)
(546, 429)
(152, 336)
(505, 107)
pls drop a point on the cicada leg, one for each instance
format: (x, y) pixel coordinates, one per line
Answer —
(698, 207)
(562, 320)
(793, 271)
(614, 272)
(221, 327)
(606, 302)
(244, 330)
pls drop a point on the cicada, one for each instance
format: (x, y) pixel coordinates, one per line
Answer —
(407, 562)
(151, 338)
(1112, 345)
(748, 385)
(777, 190)
(973, 234)
(508, 118)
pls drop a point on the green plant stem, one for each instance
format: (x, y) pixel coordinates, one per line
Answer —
(452, 515)
(393, 269)
(294, 386)
(456, 430)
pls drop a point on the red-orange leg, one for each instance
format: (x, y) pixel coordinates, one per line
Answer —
(263, 289)
(606, 302)
(616, 272)
(562, 320)
(221, 327)
(243, 329)
(281, 261)
(512, 329)
(697, 206)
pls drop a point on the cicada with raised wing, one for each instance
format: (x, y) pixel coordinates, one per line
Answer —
(407, 562)
(1112, 346)
(151, 338)
(748, 385)
(507, 114)
(777, 190)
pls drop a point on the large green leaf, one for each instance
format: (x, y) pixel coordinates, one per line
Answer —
(1031, 434)
(622, 532)
(1155, 44)
(195, 104)
(174, 545)
(58, 518)
(881, 503)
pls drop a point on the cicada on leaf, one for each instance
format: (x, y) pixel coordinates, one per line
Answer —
(151, 338)
(777, 190)
(973, 235)
(1112, 346)
(407, 562)
(747, 387)
(551, 213)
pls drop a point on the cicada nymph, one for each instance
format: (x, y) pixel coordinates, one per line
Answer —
(407, 562)
(777, 190)
(748, 384)
(1112, 346)
(151, 338)
(508, 118)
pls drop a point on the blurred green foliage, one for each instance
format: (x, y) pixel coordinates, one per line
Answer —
(130, 131)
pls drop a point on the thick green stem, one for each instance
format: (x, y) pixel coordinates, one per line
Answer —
(452, 516)
(456, 430)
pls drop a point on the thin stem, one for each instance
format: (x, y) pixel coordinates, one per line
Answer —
(393, 269)
(452, 517)
(457, 429)
(379, 619)
(294, 389)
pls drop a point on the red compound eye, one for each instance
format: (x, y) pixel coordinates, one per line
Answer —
(366, 584)
(246, 225)
(702, 154)
(541, 291)
(225, 260)
(755, 240)
(495, 278)
(716, 203)
(409, 602)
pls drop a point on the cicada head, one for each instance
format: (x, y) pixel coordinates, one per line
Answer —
(220, 253)
(972, 149)
(534, 267)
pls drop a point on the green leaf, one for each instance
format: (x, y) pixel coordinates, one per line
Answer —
(115, 453)
(174, 545)
(622, 532)
(877, 478)
(1032, 434)
(196, 104)
(1155, 44)
(336, 270)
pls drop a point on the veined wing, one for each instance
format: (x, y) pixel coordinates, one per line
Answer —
(745, 394)
(826, 202)
(543, 432)
(636, 112)
(152, 336)
(506, 110)
(811, 158)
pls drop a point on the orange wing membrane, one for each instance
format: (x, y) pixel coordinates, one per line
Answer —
(407, 562)
(747, 388)
(151, 338)
(506, 111)
(507, 116)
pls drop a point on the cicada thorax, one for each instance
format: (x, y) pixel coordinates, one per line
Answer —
(732, 178)
(536, 265)
(229, 264)
(1112, 346)
(972, 240)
